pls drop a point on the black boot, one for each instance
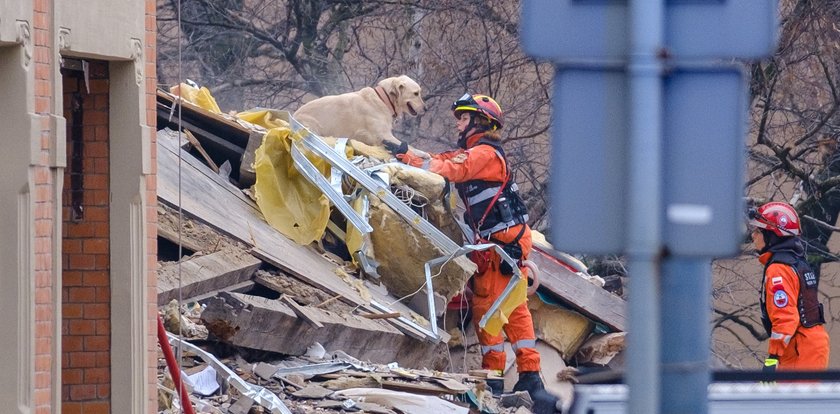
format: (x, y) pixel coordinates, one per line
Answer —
(496, 386)
(544, 401)
(529, 381)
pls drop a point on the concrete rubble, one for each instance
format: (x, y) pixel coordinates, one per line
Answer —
(301, 329)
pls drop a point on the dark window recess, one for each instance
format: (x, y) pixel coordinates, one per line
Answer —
(77, 176)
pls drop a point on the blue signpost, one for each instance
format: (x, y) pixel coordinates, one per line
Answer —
(648, 156)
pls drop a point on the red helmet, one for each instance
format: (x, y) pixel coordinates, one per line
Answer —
(780, 218)
(482, 104)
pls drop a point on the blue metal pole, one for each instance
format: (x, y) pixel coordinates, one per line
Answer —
(644, 234)
(686, 299)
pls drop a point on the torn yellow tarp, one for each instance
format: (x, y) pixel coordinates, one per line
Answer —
(516, 298)
(197, 96)
(289, 202)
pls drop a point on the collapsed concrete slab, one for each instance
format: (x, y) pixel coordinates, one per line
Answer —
(271, 325)
(205, 274)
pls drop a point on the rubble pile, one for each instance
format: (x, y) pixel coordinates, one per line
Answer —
(268, 325)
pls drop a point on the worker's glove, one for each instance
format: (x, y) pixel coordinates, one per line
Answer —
(396, 149)
(770, 364)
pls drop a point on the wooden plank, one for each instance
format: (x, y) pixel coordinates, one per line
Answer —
(172, 235)
(422, 388)
(390, 315)
(197, 145)
(168, 140)
(203, 274)
(580, 294)
(270, 325)
(300, 311)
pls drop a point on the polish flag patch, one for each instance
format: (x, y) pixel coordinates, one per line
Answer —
(780, 299)
(776, 280)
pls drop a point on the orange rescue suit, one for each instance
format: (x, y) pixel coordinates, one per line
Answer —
(480, 161)
(798, 347)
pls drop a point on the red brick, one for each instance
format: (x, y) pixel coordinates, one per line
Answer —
(43, 346)
(71, 376)
(97, 343)
(103, 327)
(68, 407)
(98, 197)
(97, 214)
(81, 262)
(81, 327)
(71, 278)
(43, 312)
(43, 363)
(97, 311)
(70, 343)
(43, 329)
(96, 279)
(104, 390)
(82, 392)
(101, 133)
(103, 359)
(102, 261)
(97, 407)
(96, 182)
(97, 375)
(96, 149)
(82, 295)
(95, 246)
(42, 104)
(101, 229)
(75, 230)
(71, 246)
(41, 21)
(98, 86)
(82, 360)
(101, 104)
(103, 294)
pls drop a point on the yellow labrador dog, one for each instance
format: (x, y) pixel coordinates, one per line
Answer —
(366, 115)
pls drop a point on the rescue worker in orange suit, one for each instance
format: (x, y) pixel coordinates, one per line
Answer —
(790, 309)
(495, 213)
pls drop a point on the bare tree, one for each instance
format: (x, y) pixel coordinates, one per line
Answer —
(793, 157)
(280, 54)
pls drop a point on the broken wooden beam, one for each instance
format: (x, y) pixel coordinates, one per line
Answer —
(300, 311)
(381, 315)
(204, 274)
(271, 325)
(581, 295)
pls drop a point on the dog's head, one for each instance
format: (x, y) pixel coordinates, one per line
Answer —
(405, 93)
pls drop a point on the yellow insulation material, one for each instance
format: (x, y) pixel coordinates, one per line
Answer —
(289, 202)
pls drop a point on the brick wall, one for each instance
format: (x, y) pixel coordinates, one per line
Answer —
(150, 55)
(86, 301)
(44, 219)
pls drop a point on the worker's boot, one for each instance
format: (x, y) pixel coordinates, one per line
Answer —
(544, 401)
(529, 381)
(496, 385)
